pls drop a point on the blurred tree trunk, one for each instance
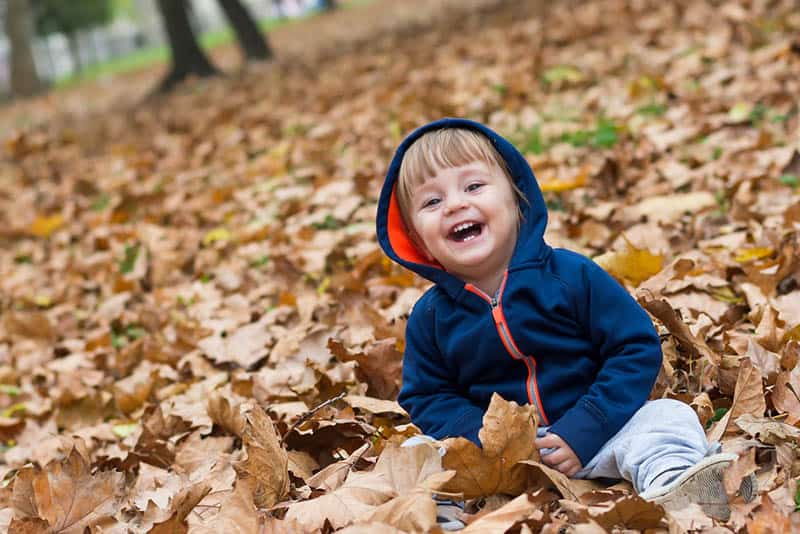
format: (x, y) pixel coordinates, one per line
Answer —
(19, 29)
(251, 40)
(328, 5)
(187, 57)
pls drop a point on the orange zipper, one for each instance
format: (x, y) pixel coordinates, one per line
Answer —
(501, 324)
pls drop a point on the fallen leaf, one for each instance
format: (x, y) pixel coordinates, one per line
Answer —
(183, 504)
(635, 265)
(67, 495)
(662, 310)
(237, 513)
(379, 366)
(669, 208)
(359, 496)
(768, 520)
(44, 226)
(507, 438)
(528, 509)
(415, 512)
(266, 460)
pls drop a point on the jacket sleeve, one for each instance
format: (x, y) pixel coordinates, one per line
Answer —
(629, 351)
(429, 392)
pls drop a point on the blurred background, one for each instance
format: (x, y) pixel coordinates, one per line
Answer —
(49, 43)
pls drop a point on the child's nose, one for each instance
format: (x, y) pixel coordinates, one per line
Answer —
(455, 203)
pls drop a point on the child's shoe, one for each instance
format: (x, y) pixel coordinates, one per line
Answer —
(702, 484)
(448, 514)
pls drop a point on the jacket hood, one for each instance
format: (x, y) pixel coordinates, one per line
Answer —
(394, 237)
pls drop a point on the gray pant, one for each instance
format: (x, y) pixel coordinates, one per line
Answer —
(664, 437)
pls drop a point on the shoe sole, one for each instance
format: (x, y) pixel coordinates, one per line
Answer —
(702, 484)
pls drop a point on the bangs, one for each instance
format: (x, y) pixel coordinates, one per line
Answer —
(442, 149)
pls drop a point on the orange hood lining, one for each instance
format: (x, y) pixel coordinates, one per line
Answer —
(399, 239)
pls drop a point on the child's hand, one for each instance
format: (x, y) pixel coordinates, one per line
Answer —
(563, 458)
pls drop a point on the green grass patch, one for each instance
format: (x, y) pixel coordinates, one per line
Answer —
(652, 110)
(605, 134)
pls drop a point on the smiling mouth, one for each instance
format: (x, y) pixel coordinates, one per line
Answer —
(465, 232)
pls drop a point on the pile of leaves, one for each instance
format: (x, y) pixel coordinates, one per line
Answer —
(199, 330)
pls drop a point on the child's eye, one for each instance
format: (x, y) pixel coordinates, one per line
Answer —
(474, 187)
(430, 202)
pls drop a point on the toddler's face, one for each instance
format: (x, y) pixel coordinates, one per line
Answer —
(467, 220)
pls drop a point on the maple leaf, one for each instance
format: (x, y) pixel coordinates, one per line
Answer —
(507, 438)
(67, 495)
(634, 264)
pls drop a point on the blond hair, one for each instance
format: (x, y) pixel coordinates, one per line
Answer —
(442, 149)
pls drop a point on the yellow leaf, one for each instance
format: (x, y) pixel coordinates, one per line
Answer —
(634, 264)
(45, 226)
(563, 73)
(558, 185)
(791, 335)
(744, 255)
(740, 112)
(217, 234)
(726, 294)
(43, 301)
(644, 85)
(323, 286)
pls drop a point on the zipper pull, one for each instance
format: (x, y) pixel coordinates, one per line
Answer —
(493, 302)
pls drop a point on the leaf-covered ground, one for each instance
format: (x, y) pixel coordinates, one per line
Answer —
(199, 330)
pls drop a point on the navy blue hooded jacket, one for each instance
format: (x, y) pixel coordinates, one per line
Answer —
(561, 334)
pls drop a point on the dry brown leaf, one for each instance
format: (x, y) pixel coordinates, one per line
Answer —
(183, 504)
(245, 346)
(334, 475)
(542, 476)
(748, 398)
(527, 508)
(670, 207)
(67, 495)
(415, 512)
(689, 519)
(667, 315)
(237, 513)
(767, 430)
(226, 414)
(768, 520)
(507, 437)
(375, 406)
(741, 468)
(266, 460)
(379, 366)
(785, 394)
(630, 512)
(359, 496)
(31, 324)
